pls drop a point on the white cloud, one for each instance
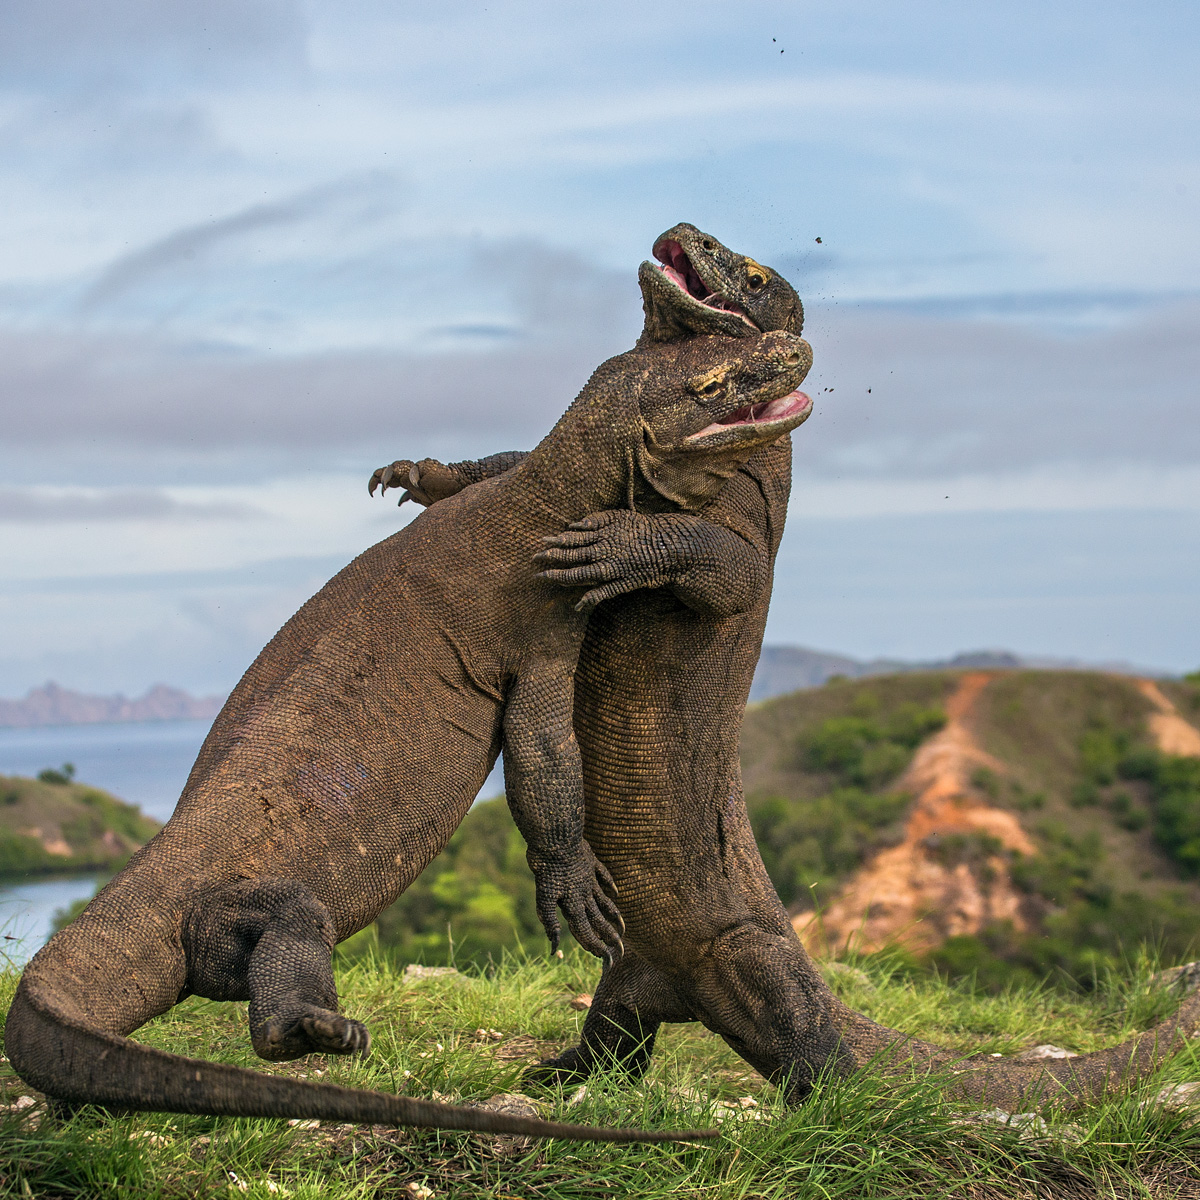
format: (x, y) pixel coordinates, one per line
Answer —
(137, 40)
(253, 249)
(40, 505)
(142, 532)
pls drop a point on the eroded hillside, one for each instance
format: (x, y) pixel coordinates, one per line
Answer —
(1051, 821)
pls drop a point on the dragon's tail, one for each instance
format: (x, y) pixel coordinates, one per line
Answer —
(1013, 1083)
(68, 1060)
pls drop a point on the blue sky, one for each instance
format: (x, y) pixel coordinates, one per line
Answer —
(254, 248)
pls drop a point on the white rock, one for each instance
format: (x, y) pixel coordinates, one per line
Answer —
(1179, 1095)
(1030, 1126)
(1046, 1050)
(416, 971)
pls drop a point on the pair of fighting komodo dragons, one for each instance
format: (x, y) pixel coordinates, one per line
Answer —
(356, 742)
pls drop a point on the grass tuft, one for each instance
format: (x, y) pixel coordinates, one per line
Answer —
(865, 1136)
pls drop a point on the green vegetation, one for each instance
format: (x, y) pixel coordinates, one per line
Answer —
(1174, 792)
(474, 901)
(1117, 827)
(51, 825)
(867, 1136)
(1083, 926)
(1112, 820)
(809, 846)
(819, 768)
(1116, 842)
(811, 843)
(54, 775)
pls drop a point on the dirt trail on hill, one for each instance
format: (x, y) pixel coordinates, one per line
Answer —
(945, 878)
(1172, 734)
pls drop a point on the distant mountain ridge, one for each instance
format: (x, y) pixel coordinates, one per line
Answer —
(784, 669)
(54, 705)
(781, 669)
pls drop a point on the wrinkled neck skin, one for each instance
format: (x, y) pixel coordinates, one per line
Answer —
(668, 478)
(604, 454)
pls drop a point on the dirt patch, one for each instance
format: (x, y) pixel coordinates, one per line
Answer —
(52, 842)
(949, 876)
(1171, 733)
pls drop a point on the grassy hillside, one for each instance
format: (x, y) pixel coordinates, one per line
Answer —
(437, 1038)
(820, 769)
(1185, 694)
(1115, 825)
(52, 825)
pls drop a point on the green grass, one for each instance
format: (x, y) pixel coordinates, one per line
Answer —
(866, 1136)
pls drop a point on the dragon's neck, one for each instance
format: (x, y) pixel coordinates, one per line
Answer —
(585, 463)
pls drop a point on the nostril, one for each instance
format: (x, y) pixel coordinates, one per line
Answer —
(707, 245)
(793, 359)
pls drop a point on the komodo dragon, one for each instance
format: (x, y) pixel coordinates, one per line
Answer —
(354, 745)
(661, 685)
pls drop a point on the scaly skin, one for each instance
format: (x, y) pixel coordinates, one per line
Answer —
(354, 745)
(661, 686)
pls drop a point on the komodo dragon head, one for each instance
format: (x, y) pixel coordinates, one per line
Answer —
(699, 286)
(720, 402)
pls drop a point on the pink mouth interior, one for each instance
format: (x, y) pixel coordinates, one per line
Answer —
(762, 413)
(677, 267)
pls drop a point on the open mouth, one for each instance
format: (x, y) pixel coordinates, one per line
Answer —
(677, 267)
(765, 413)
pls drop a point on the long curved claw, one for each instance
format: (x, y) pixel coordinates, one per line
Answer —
(389, 473)
(414, 476)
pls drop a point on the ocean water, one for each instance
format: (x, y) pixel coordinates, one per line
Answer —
(27, 912)
(145, 763)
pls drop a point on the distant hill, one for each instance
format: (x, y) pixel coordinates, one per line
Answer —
(54, 705)
(784, 669)
(781, 669)
(52, 825)
(1003, 823)
(989, 821)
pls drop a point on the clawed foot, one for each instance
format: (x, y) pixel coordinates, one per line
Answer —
(316, 1031)
(610, 553)
(582, 887)
(426, 482)
(571, 1066)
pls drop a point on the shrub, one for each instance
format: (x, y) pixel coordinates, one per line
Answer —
(860, 751)
(56, 775)
(806, 842)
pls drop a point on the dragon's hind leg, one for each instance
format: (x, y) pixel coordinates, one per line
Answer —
(270, 941)
(631, 1001)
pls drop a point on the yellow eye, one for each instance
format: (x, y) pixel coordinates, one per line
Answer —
(711, 388)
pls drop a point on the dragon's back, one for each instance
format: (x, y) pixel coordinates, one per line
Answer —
(357, 740)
